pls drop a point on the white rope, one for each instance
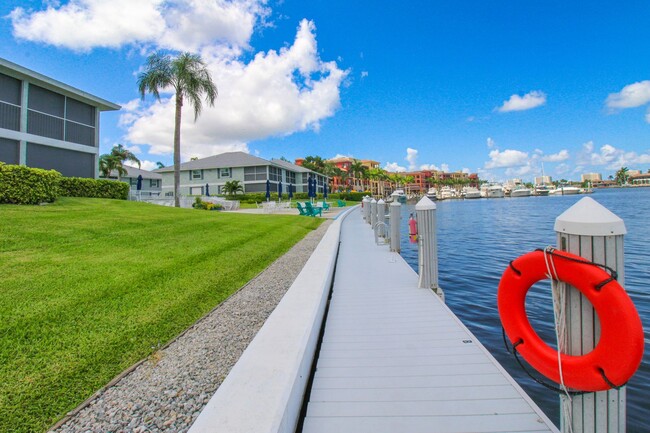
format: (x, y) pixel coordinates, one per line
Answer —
(560, 328)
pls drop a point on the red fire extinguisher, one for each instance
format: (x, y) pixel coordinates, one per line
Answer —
(413, 229)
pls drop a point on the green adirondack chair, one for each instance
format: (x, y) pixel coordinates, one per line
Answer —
(302, 211)
(313, 211)
(341, 203)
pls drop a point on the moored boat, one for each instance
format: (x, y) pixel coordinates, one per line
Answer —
(432, 193)
(520, 191)
(469, 192)
(399, 196)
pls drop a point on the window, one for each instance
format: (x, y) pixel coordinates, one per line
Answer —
(254, 173)
(291, 177)
(153, 183)
(196, 190)
(275, 174)
(224, 172)
(196, 174)
(134, 181)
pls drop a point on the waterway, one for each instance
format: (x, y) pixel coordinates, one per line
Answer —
(478, 238)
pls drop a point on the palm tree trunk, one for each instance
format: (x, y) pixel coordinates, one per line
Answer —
(177, 148)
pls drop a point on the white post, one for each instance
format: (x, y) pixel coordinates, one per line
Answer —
(381, 218)
(590, 230)
(395, 210)
(365, 203)
(373, 213)
(425, 212)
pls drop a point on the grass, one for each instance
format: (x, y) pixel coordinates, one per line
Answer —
(90, 286)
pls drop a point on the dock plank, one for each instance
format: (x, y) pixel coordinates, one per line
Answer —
(395, 359)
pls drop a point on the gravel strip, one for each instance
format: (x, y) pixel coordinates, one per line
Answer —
(166, 392)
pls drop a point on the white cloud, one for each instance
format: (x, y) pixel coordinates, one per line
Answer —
(519, 171)
(490, 143)
(632, 95)
(412, 158)
(305, 91)
(519, 103)
(364, 74)
(429, 167)
(466, 170)
(647, 116)
(173, 24)
(610, 157)
(562, 169)
(148, 165)
(507, 158)
(394, 167)
(562, 155)
(444, 168)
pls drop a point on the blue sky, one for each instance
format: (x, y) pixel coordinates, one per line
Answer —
(494, 87)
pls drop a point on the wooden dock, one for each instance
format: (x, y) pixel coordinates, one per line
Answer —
(395, 359)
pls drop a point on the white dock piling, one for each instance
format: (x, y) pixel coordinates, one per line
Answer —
(395, 210)
(425, 211)
(590, 230)
(373, 213)
(380, 225)
(365, 208)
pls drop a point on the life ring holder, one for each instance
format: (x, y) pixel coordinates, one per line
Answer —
(619, 351)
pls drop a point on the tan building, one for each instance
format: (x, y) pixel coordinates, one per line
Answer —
(543, 180)
(591, 177)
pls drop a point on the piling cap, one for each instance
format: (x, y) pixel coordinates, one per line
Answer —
(396, 203)
(373, 201)
(425, 204)
(589, 218)
(381, 201)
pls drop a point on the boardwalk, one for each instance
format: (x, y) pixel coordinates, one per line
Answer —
(395, 359)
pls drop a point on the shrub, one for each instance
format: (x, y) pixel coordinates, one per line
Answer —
(94, 188)
(25, 185)
(206, 205)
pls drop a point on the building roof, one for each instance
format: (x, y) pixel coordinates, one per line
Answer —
(22, 73)
(135, 172)
(290, 166)
(222, 160)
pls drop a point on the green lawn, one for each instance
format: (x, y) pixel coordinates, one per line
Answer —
(91, 286)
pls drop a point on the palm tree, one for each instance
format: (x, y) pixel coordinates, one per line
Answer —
(190, 79)
(108, 163)
(160, 165)
(621, 175)
(232, 187)
(122, 154)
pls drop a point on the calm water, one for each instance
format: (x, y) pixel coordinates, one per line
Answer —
(478, 238)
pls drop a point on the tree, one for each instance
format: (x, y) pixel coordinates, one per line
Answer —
(114, 161)
(621, 175)
(190, 79)
(160, 164)
(108, 163)
(232, 187)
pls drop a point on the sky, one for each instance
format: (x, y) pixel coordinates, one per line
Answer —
(505, 89)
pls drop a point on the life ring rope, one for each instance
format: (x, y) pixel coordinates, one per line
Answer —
(545, 384)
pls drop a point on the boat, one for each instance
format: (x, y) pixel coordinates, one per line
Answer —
(542, 190)
(432, 193)
(470, 192)
(520, 191)
(447, 192)
(399, 196)
(565, 190)
(494, 191)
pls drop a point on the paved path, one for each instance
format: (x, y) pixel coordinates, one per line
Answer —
(395, 359)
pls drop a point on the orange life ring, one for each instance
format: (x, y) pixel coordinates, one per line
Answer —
(619, 351)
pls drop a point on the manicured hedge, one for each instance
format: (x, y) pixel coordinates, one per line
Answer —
(25, 185)
(95, 188)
